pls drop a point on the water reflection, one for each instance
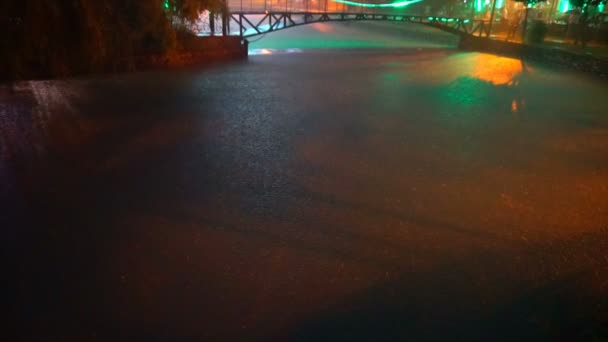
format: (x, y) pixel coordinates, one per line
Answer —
(28, 118)
(495, 69)
(489, 68)
(489, 79)
(324, 178)
(462, 84)
(514, 106)
(323, 27)
(254, 52)
(470, 95)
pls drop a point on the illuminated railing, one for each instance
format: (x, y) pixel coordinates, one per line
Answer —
(252, 23)
(327, 6)
(496, 19)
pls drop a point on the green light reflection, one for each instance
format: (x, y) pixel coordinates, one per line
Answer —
(398, 4)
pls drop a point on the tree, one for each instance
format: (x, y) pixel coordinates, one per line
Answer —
(585, 3)
(527, 5)
(582, 29)
(190, 10)
(60, 37)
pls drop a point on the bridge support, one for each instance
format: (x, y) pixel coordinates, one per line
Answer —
(491, 19)
(224, 25)
(212, 23)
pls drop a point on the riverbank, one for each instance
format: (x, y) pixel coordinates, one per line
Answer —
(548, 55)
(192, 51)
(197, 51)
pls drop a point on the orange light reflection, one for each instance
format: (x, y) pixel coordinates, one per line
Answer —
(322, 27)
(494, 69)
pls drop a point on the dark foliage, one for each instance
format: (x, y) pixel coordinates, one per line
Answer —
(584, 3)
(527, 4)
(537, 32)
(61, 37)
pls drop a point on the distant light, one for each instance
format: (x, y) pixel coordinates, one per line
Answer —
(393, 5)
(500, 3)
(514, 106)
(565, 6)
(478, 6)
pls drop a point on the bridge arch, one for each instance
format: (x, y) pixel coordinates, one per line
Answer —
(252, 23)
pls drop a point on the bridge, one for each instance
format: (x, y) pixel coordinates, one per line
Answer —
(260, 19)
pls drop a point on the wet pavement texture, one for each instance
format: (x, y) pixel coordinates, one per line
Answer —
(327, 194)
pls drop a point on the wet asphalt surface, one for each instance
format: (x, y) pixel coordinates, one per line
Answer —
(417, 194)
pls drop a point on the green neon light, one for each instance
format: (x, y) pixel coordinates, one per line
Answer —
(600, 8)
(393, 5)
(166, 4)
(478, 6)
(565, 6)
(500, 3)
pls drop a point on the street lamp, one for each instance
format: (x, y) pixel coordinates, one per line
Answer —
(491, 19)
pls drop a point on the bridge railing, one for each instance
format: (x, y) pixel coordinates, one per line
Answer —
(318, 6)
(252, 23)
(507, 19)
